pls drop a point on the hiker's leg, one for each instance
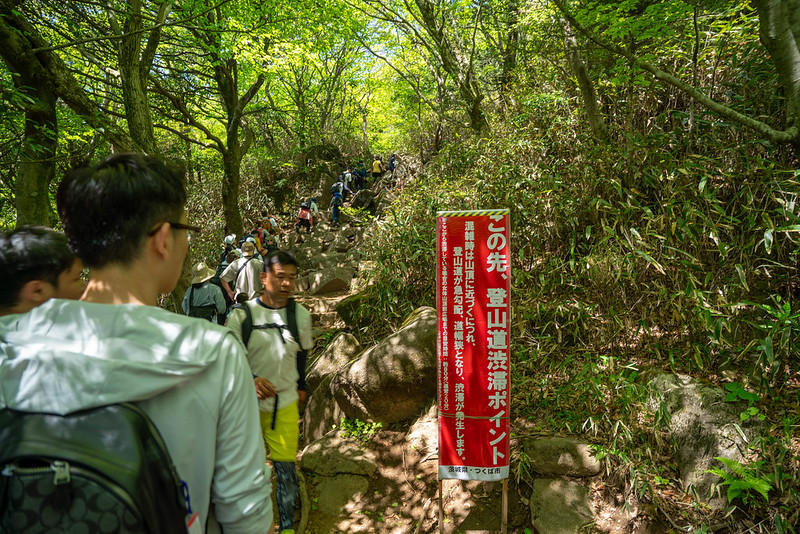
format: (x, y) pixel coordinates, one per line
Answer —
(286, 494)
(282, 434)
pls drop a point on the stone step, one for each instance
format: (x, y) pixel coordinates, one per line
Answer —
(320, 304)
(327, 320)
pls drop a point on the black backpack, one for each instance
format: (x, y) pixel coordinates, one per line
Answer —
(203, 312)
(100, 470)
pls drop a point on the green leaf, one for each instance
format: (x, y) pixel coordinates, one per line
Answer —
(742, 279)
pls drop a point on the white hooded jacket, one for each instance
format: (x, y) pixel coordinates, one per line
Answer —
(191, 377)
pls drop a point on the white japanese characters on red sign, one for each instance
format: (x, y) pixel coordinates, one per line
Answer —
(473, 269)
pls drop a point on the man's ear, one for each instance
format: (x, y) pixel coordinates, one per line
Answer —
(160, 241)
(34, 293)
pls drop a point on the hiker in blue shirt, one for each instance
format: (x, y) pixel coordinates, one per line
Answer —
(204, 299)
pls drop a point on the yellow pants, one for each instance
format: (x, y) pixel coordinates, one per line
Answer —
(283, 439)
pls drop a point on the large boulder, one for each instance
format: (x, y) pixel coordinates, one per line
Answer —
(560, 507)
(322, 413)
(704, 426)
(333, 455)
(395, 379)
(327, 281)
(353, 310)
(423, 435)
(364, 199)
(339, 352)
(562, 456)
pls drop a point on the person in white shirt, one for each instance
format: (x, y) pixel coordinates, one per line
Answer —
(277, 358)
(243, 275)
(124, 217)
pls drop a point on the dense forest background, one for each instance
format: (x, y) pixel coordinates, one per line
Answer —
(648, 151)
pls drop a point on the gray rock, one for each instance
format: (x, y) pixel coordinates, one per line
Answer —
(560, 507)
(339, 352)
(322, 413)
(704, 426)
(354, 310)
(364, 199)
(326, 281)
(334, 455)
(335, 494)
(423, 435)
(395, 379)
(562, 456)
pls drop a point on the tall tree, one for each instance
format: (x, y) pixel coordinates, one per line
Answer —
(780, 33)
(44, 76)
(206, 61)
(37, 153)
(447, 32)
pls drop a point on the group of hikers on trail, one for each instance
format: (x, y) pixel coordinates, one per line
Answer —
(185, 403)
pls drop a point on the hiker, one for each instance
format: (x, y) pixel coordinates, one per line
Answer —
(256, 247)
(360, 172)
(392, 164)
(340, 188)
(271, 227)
(314, 211)
(229, 244)
(277, 333)
(243, 273)
(304, 217)
(336, 206)
(36, 265)
(204, 299)
(348, 179)
(377, 169)
(124, 217)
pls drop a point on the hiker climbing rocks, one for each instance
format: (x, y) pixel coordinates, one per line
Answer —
(243, 273)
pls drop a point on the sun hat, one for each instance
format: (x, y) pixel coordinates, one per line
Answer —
(202, 273)
(248, 248)
(230, 239)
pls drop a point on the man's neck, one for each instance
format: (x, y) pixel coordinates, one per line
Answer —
(117, 284)
(269, 303)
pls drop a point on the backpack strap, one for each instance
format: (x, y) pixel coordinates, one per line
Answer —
(236, 280)
(191, 299)
(302, 354)
(291, 320)
(247, 324)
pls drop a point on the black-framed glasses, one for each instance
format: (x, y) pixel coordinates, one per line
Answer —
(191, 230)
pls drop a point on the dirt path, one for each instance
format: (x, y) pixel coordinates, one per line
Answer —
(404, 490)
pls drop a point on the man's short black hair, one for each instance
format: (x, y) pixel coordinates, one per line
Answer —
(31, 253)
(279, 257)
(108, 208)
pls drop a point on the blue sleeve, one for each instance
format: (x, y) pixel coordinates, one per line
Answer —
(185, 303)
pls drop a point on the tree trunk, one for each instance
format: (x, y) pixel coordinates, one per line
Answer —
(134, 75)
(232, 166)
(37, 154)
(456, 63)
(779, 28)
(37, 157)
(588, 93)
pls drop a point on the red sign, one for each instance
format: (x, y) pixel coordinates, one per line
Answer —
(473, 280)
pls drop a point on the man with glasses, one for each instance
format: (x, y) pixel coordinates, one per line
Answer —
(124, 217)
